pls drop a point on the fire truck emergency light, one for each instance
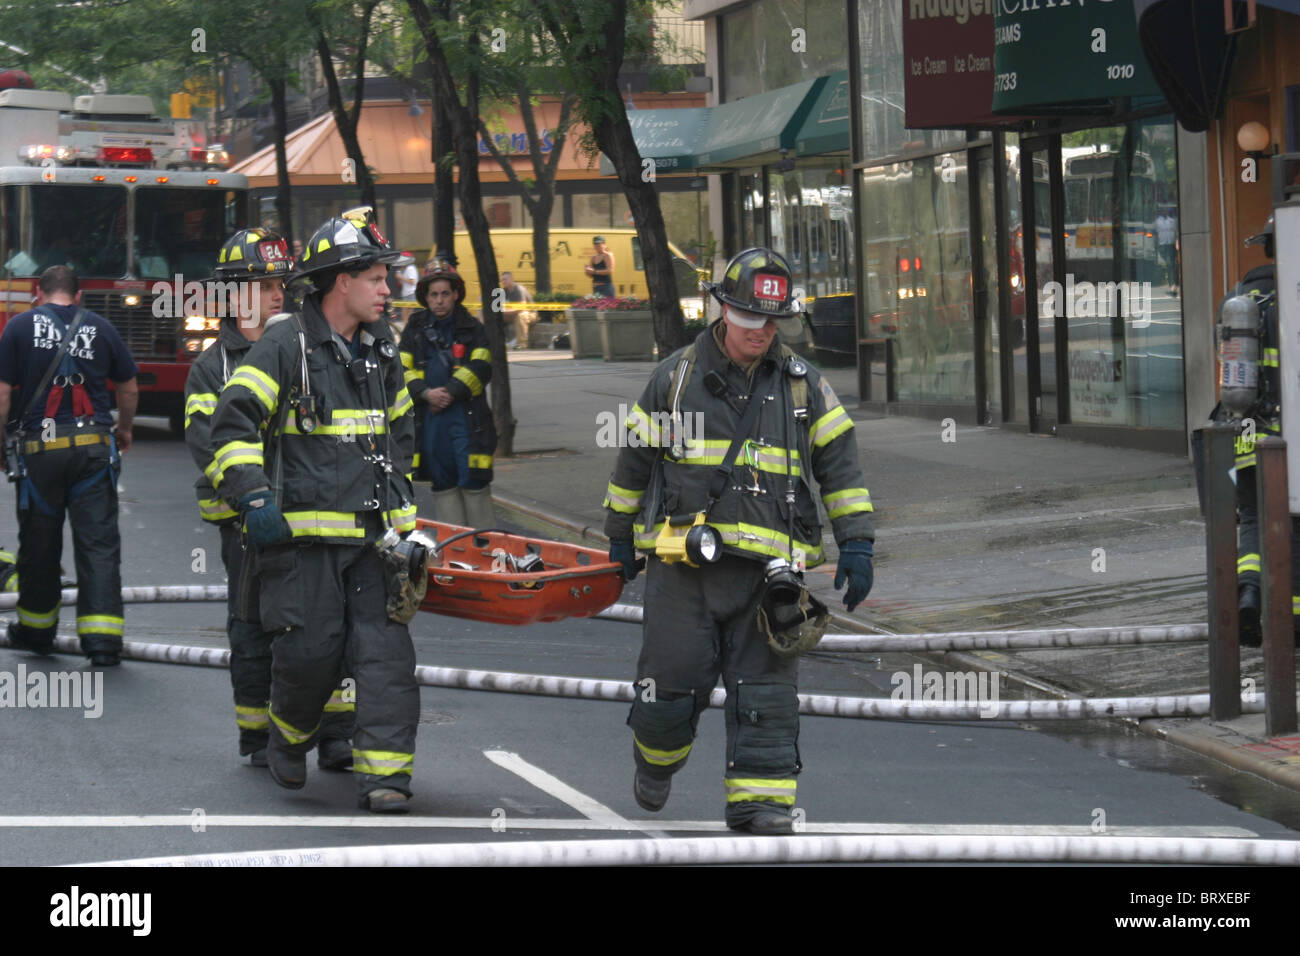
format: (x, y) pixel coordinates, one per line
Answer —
(126, 154)
(37, 153)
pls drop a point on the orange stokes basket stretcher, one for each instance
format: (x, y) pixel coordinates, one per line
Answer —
(477, 576)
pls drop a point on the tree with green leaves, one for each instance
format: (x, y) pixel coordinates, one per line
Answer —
(462, 32)
(592, 38)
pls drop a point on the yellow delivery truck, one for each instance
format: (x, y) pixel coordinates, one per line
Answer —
(571, 250)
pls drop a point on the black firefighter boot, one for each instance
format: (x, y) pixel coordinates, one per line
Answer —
(1248, 605)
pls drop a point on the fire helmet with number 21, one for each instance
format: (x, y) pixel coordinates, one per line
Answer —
(757, 280)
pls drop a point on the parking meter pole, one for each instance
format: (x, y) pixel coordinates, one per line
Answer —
(1221, 572)
(1275, 590)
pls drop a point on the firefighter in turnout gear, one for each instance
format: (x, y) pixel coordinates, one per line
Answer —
(254, 259)
(62, 453)
(1264, 418)
(325, 506)
(714, 482)
(448, 367)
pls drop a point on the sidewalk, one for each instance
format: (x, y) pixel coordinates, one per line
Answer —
(990, 530)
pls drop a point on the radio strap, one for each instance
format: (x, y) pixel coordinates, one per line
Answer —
(721, 474)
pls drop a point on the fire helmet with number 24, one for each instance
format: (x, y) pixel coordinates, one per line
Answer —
(251, 255)
(757, 280)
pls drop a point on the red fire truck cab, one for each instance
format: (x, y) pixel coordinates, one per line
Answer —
(136, 205)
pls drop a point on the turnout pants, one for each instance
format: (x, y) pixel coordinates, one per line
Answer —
(699, 623)
(77, 481)
(250, 655)
(1248, 559)
(325, 607)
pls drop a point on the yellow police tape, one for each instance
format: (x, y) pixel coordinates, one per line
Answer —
(506, 307)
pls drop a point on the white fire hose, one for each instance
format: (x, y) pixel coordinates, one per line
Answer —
(689, 851)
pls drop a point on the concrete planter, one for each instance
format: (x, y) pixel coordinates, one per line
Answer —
(584, 332)
(627, 336)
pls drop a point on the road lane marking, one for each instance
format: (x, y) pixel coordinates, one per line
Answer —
(548, 783)
(613, 822)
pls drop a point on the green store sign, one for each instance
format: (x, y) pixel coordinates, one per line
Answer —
(1066, 56)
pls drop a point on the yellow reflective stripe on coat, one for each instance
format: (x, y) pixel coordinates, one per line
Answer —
(743, 789)
(661, 758)
(480, 355)
(340, 701)
(204, 403)
(769, 458)
(480, 462)
(830, 426)
(469, 380)
(347, 423)
(215, 509)
(37, 619)
(252, 718)
(100, 624)
(381, 763)
(403, 404)
(623, 500)
(259, 383)
(408, 359)
(847, 502)
(1248, 562)
(403, 519)
(229, 455)
(1295, 604)
(324, 524)
(291, 733)
(643, 426)
(1269, 358)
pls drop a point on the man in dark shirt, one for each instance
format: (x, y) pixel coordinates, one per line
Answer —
(68, 462)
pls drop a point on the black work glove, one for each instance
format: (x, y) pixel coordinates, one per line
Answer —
(621, 551)
(855, 565)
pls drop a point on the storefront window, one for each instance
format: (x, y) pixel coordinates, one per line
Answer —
(762, 51)
(880, 39)
(916, 246)
(752, 232)
(1124, 321)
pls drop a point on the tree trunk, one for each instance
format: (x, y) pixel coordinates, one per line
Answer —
(463, 119)
(347, 125)
(283, 198)
(542, 242)
(444, 185)
(614, 137)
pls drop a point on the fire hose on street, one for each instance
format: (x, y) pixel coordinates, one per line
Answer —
(584, 688)
(689, 851)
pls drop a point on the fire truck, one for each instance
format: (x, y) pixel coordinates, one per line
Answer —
(136, 204)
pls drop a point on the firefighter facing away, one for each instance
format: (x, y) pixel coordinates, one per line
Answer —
(327, 505)
(729, 520)
(58, 359)
(256, 258)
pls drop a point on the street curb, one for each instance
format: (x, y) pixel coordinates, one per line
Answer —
(1275, 771)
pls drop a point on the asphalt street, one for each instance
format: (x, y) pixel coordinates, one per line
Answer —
(157, 773)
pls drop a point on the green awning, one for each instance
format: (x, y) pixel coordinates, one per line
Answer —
(826, 130)
(757, 124)
(666, 136)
